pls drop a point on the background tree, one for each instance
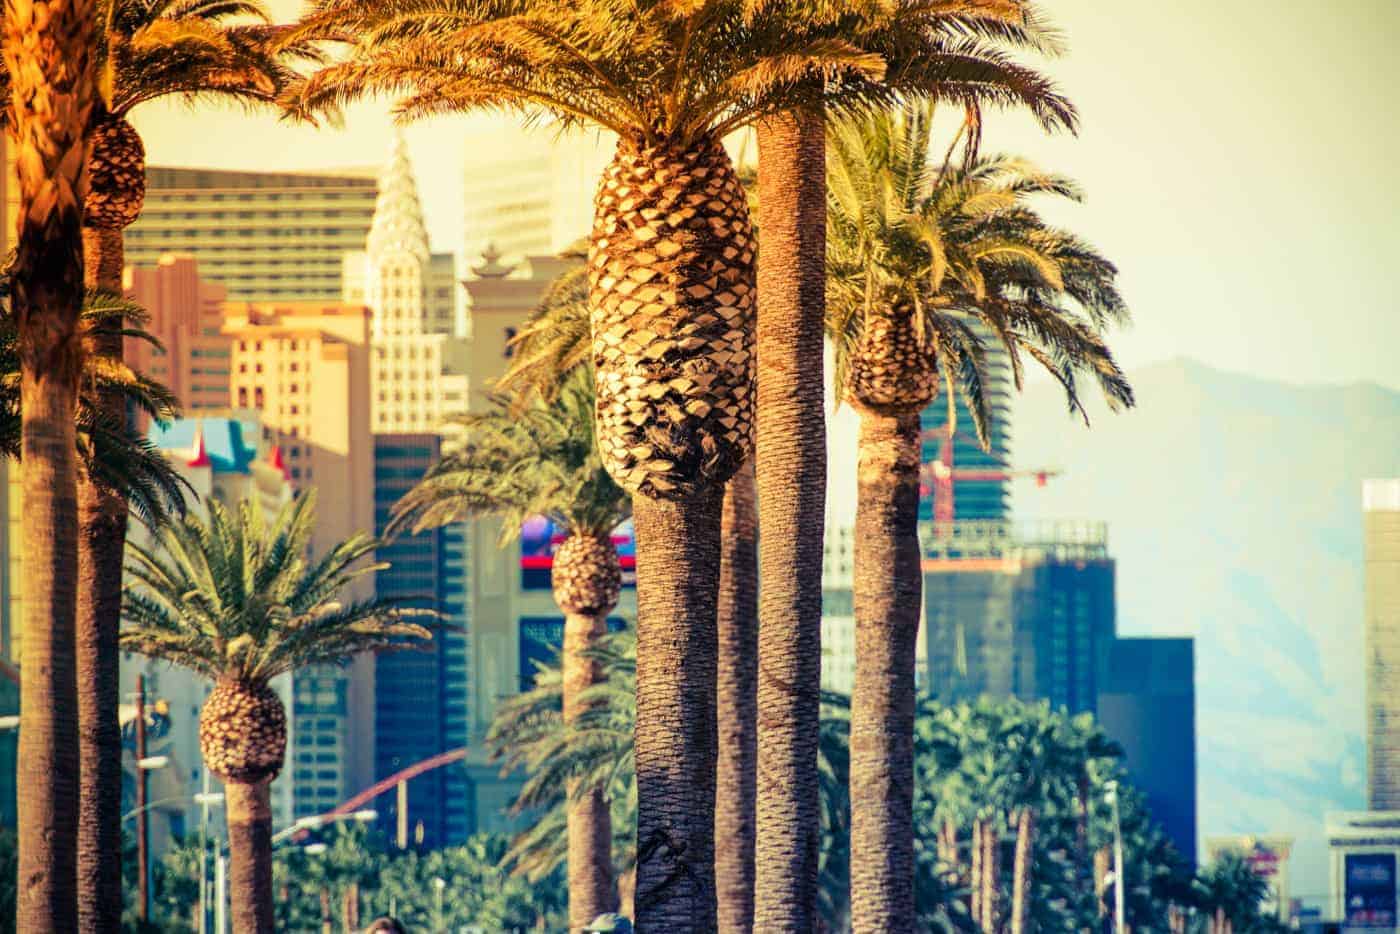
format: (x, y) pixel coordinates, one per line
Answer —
(921, 259)
(236, 599)
(541, 461)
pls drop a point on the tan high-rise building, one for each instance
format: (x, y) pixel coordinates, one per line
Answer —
(305, 366)
(1381, 510)
(187, 317)
(267, 236)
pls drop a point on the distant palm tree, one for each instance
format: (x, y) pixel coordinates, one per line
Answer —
(48, 49)
(920, 258)
(144, 50)
(541, 461)
(235, 599)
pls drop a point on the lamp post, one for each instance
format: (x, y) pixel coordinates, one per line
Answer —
(439, 883)
(143, 877)
(1119, 908)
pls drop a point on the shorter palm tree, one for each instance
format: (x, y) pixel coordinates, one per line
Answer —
(541, 461)
(236, 599)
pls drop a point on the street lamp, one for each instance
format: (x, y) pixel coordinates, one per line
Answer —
(439, 883)
(1110, 789)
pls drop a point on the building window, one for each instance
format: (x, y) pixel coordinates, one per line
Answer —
(243, 397)
(258, 396)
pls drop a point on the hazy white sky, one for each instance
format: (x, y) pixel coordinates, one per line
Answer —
(1238, 159)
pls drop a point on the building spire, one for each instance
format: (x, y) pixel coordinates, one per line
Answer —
(398, 214)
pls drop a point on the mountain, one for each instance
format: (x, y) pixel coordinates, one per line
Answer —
(1234, 510)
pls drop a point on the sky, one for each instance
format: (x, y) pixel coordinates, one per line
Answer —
(1237, 157)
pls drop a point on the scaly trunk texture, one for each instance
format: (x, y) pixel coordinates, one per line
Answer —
(948, 853)
(791, 479)
(736, 780)
(678, 559)
(591, 888)
(1021, 880)
(249, 812)
(974, 897)
(102, 516)
(991, 877)
(1103, 859)
(350, 908)
(888, 586)
(47, 52)
(586, 580)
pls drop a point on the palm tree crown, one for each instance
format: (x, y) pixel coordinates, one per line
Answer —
(236, 597)
(672, 71)
(539, 461)
(959, 245)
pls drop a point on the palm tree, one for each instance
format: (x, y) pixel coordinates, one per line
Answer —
(542, 462)
(235, 598)
(47, 47)
(918, 257)
(143, 51)
(554, 340)
(942, 50)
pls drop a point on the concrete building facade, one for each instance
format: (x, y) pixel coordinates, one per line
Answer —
(267, 236)
(1381, 527)
(186, 317)
(305, 366)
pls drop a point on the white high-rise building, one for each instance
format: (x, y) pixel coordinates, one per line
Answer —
(533, 195)
(417, 368)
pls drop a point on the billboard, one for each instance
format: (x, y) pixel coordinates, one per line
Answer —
(1370, 889)
(540, 538)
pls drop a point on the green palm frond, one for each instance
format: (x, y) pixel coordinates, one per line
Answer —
(517, 463)
(235, 596)
(672, 71)
(962, 245)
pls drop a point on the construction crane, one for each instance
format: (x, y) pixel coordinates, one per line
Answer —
(941, 474)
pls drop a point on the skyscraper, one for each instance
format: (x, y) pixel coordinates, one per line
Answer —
(974, 498)
(417, 372)
(267, 236)
(305, 367)
(1025, 612)
(1147, 703)
(1380, 501)
(534, 195)
(187, 317)
(421, 697)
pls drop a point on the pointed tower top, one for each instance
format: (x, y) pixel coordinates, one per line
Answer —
(199, 455)
(398, 214)
(491, 266)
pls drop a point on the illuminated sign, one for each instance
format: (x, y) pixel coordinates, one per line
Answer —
(540, 538)
(1370, 889)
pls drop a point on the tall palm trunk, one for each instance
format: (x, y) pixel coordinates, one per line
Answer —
(678, 559)
(249, 811)
(888, 586)
(47, 51)
(587, 579)
(591, 888)
(991, 876)
(102, 516)
(736, 775)
(1103, 859)
(791, 481)
(1021, 879)
(975, 882)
